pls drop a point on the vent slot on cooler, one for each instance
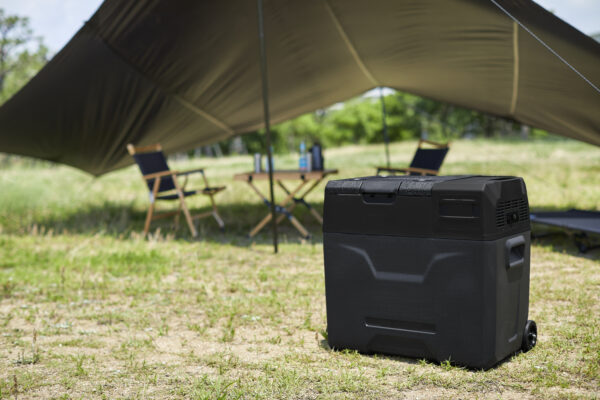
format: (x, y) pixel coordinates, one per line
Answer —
(459, 208)
(509, 212)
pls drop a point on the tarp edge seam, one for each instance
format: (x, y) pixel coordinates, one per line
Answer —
(349, 44)
(550, 49)
(187, 104)
(515, 91)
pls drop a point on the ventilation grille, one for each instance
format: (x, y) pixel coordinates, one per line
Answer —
(506, 209)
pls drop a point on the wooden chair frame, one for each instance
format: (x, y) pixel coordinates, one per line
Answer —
(179, 190)
(421, 171)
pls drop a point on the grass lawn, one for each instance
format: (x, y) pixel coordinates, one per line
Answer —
(90, 309)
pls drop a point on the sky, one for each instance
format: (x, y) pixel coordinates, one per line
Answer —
(58, 20)
(55, 20)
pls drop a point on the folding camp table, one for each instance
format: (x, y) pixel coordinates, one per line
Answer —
(583, 223)
(308, 181)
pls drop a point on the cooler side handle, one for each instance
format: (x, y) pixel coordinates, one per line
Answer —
(515, 252)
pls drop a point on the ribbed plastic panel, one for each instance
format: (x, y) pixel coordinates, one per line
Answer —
(505, 210)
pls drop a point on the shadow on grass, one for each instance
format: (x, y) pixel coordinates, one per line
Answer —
(565, 241)
(123, 221)
(324, 344)
(444, 365)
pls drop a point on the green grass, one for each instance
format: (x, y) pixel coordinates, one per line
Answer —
(119, 316)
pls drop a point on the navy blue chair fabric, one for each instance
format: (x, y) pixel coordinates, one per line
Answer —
(151, 160)
(151, 163)
(428, 159)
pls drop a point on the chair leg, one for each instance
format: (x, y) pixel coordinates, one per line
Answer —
(186, 212)
(148, 219)
(219, 220)
(216, 213)
(177, 217)
(188, 217)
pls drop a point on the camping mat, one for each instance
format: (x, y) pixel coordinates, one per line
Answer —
(580, 220)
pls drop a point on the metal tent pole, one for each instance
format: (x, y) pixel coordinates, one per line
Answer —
(265, 90)
(386, 137)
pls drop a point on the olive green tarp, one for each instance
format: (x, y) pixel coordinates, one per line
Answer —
(187, 73)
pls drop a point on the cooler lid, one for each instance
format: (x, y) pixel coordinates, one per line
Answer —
(471, 207)
(405, 185)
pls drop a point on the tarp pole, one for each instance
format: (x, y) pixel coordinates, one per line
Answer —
(265, 90)
(386, 137)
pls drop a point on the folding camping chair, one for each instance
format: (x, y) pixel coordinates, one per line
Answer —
(425, 162)
(164, 185)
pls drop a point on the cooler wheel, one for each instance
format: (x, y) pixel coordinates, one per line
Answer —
(529, 336)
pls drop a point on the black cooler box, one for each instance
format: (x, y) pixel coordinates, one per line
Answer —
(429, 267)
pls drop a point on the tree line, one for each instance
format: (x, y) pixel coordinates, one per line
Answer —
(360, 121)
(22, 54)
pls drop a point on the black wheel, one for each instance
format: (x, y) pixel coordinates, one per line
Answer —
(529, 336)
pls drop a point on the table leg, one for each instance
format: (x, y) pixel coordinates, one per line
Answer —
(260, 225)
(300, 199)
(266, 219)
(293, 205)
(279, 208)
(287, 211)
(312, 210)
(299, 226)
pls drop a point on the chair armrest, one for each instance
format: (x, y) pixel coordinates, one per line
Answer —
(434, 144)
(422, 171)
(191, 171)
(159, 174)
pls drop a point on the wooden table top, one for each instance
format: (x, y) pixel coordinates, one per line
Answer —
(284, 174)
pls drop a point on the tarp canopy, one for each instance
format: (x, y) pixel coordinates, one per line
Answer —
(187, 73)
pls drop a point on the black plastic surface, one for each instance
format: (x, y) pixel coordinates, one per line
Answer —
(403, 278)
(452, 207)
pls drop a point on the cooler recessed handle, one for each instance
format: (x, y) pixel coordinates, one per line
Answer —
(515, 252)
(378, 198)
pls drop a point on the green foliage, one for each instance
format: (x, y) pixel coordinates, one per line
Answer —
(360, 121)
(22, 54)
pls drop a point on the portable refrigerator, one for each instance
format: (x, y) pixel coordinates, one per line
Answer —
(433, 267)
